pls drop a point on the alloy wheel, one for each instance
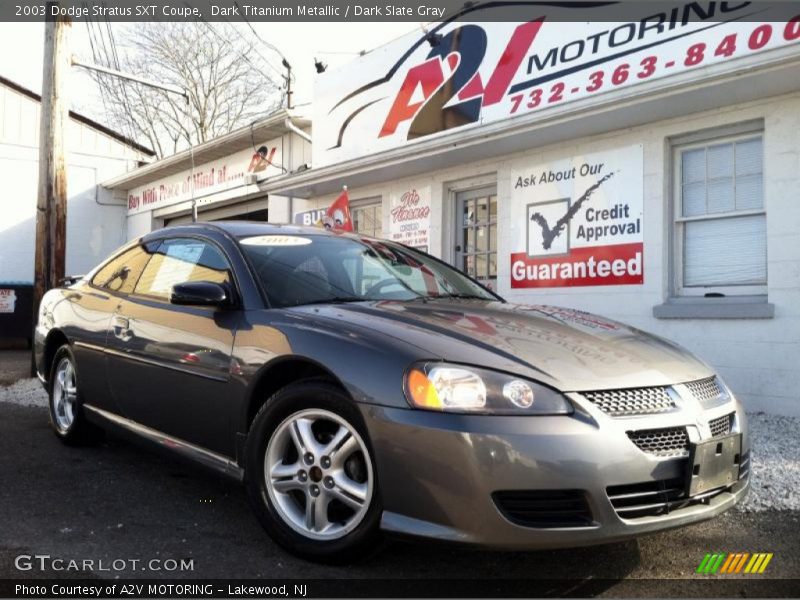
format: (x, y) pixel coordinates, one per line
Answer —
(319, 474)
(65, 394)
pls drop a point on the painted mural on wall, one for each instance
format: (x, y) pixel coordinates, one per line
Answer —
(579, 221)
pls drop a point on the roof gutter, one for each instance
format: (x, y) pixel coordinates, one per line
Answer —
(289, 124)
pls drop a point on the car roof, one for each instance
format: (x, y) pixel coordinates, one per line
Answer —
(238, 229)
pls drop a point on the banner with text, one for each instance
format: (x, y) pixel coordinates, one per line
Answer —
(460, 75)
(263, 161)
(578, 221)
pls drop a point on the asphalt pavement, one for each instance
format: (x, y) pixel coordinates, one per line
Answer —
(122, 500)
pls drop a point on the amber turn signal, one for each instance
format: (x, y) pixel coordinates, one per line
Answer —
(421, 390)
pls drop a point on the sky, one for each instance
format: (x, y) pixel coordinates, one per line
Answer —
(334, 43)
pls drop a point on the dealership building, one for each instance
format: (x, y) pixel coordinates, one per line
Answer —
(645, 171)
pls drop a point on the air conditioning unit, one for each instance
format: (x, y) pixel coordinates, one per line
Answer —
(250, 179)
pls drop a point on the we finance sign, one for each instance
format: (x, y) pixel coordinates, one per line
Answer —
(466, 72)
(579, 221)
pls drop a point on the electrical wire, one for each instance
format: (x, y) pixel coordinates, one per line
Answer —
(241, 54)
(122, 84)
(262, 40)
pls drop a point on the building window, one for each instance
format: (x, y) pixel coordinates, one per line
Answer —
(477, 233)
(720, 222)
(367, 217)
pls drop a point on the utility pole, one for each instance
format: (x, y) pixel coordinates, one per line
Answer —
(51, 204)
(288, 78)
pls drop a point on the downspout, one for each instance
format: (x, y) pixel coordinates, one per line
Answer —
(289, 124)
(302, 134)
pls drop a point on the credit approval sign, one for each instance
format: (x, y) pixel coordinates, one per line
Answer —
(579, 221)
(465, 74)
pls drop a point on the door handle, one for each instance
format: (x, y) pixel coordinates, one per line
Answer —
(122, 328)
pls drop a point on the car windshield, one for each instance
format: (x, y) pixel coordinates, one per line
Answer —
(316, 269)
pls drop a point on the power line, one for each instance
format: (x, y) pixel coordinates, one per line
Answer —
(111, 59)
(262, 40)
(123, 85)
(243, 56)
(228, 43)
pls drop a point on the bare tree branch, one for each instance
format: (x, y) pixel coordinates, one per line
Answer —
(227, 83)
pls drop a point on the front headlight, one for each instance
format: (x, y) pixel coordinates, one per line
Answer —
(465, 389)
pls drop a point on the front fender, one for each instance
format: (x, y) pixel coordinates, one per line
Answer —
(368, 365)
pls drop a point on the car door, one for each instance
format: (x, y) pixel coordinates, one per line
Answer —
(171, 363)
(93, 306)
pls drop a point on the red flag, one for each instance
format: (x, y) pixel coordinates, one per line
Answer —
(337, 217)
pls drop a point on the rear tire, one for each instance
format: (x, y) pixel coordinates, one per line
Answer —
(66, 402)
(310, 474)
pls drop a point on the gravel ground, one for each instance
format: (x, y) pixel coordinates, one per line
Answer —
(14, 365)
(25, 392)
(776, 463)
(776, 453)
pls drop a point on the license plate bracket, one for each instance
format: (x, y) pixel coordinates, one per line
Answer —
(714, 463)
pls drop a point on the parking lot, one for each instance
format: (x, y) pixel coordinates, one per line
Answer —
(123, 501)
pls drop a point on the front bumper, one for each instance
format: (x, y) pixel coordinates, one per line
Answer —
(437, 474)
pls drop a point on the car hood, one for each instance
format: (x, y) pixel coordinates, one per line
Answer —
(569, 349)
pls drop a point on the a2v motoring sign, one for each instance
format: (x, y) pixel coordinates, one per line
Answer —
(579, 221)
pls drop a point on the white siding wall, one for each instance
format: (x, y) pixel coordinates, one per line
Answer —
(95, 221)
(758, 358)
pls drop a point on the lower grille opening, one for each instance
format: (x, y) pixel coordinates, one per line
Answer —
(654, 498)
(544, 508)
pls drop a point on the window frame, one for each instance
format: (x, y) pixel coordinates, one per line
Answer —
(474, 193)
(371, 202)
(235, 299)
(678, 223)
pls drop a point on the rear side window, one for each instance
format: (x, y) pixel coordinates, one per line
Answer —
(120, 274)
(180, 261)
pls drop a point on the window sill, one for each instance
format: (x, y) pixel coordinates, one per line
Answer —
(742, 307)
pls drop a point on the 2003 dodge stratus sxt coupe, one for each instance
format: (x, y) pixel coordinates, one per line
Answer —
(359, 386)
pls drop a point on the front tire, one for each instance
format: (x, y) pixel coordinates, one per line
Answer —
(310, 474)
(66, 411)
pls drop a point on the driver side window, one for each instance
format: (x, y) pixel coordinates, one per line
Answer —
(120, 274)
(181, 261)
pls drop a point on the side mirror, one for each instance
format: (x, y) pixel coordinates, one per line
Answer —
(199, 293)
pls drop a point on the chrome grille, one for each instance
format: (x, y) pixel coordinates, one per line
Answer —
(672, 441)
(632, 401)
(655, 498)
(721, 425)
(708, 392)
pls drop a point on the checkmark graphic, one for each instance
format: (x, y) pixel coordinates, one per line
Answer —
(550, 234)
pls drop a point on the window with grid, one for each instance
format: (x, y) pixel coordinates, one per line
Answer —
(477, 246)
(720, 221)
(367, 217)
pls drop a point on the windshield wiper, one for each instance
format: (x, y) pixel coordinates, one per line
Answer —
(460, 296)
(337, 300)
